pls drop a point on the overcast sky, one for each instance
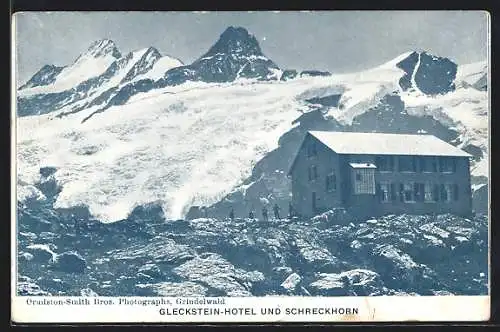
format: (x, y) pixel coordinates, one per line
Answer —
(334, 41)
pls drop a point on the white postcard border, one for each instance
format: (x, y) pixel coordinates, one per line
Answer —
(31, 309)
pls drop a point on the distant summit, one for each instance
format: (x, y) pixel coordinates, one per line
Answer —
(235, 40)
(102, 48)
(427, 73)
(236, 54)
(145, 63)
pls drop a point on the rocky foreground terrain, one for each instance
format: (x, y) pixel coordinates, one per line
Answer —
(328, 255)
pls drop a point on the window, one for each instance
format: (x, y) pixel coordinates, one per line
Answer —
(455, 192)
(364, 181)
(428, 164)
(385, 163)
(447, 164)
(435, 192)
(407, 164)
(418, 192)
(312, 173)
(445, 193)
(385, 192)
(429, 193)
(407, 192)
(393, 192)
(311, 150)
(331, 182)
(449, 192)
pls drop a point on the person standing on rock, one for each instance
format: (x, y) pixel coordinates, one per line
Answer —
(276, 210)
(231, 214)
(251, 215)
(264, 213)
(77, 226)
(290, 211)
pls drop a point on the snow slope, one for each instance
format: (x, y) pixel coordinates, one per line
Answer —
(160, 67)
(180, 148)
(471, 73)
(193, 143)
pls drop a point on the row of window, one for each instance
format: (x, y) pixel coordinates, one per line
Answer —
(411, 192)
(416, 164)
(407, 163)
(407, 192)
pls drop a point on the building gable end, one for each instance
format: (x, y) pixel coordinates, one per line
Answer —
(307, 137)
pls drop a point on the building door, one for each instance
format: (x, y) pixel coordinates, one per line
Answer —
(313, 198)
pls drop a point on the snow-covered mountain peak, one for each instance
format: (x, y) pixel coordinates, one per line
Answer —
(152, 51)
(101, 48)
(94, 62)
(235, 40)
(143, 60)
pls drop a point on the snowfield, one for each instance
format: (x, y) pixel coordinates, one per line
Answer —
(180, 148)
(192, 144)
(159, 68)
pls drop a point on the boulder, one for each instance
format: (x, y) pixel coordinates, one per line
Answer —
(151, 270)
(353, 282)
(395, 266)
(158, 250)
(70, 261)
(291, 282)
(27, 236)
(216, 272)
(87, 292)
(30, 289)
(25, 256)
(42, 253)
(53, 285)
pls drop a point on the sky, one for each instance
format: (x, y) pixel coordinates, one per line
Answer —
(337, 41)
